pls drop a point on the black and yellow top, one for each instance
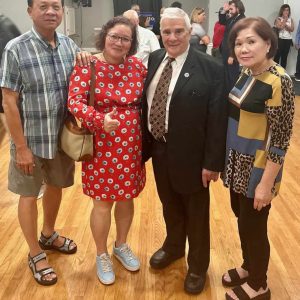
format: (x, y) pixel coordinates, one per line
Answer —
(259, 128)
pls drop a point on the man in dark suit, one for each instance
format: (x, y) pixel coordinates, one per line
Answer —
(189, 153)
(232, 12)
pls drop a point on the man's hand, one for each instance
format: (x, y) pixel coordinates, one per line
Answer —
(207, 176)
(110, 124)
(24, 159)
(83, 58)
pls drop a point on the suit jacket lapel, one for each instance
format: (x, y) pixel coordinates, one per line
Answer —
(186, 73)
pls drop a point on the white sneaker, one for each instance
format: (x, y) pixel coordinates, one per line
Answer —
(105, 270)
(126, 257)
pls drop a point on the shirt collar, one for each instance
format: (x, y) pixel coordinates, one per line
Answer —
(42, 40)
(181, 58)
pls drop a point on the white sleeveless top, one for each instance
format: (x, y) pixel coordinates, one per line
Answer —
(283, 33)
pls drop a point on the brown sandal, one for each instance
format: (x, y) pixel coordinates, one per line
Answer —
(234, 277)
(46, 243)
(39, 274)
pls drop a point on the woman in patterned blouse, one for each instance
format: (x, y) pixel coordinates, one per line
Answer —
(259, 130)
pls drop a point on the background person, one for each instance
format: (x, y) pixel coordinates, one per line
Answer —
(116, 173)
(8, 31)
(297, 46)
(259, 131)
(285, 24)
(147, 40)
(218, 35)
(199, 38)
(233, 11)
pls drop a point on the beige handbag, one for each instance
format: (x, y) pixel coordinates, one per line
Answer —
(76, 141)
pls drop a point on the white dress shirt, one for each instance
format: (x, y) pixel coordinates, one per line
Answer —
(177, 65)
(148, 42)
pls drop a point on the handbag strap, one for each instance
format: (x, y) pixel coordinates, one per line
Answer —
(91, 100)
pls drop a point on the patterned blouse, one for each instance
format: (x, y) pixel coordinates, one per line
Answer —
(259, 128)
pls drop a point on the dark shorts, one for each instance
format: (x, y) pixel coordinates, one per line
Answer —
(58, 172)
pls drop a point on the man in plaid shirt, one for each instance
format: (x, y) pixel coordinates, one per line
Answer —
(34, 76)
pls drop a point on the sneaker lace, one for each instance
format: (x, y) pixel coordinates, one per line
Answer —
(106, 264)
(128, 252)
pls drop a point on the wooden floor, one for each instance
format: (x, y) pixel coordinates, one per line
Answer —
(77, 275)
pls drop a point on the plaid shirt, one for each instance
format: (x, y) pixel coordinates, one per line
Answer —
(40, 73)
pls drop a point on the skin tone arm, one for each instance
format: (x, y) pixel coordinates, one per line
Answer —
(205, 39)
(24, 156)
(263, 194)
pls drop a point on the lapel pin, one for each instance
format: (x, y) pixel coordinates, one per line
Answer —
(186, 75)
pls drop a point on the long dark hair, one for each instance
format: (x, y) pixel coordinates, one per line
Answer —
(282, 8)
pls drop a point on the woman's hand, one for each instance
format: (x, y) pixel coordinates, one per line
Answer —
(110, 124)
(263, 196)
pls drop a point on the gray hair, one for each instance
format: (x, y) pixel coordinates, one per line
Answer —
(176, 13)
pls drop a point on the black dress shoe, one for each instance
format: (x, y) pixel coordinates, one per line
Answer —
(194, 284)
(161, 259)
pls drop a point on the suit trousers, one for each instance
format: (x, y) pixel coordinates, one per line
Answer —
(253, 231)
(185, 215)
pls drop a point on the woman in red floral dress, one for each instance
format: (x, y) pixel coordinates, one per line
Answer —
(116, 173)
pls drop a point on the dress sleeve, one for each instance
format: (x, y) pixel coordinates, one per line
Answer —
(78, 96)
(280, 113)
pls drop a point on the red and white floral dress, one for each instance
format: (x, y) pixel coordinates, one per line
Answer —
(116, 172)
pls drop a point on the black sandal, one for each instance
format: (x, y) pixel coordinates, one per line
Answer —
(46, 243)
(38, 275)
(242, 295)
(235, 278)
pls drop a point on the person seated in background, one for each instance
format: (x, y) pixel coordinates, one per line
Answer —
(147, 40)
(116, 174)
(199, 38)
(259, 131)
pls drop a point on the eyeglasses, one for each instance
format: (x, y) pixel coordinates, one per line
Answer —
(178, 33)
(115, 38)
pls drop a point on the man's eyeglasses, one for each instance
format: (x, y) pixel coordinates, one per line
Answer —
(115, 38)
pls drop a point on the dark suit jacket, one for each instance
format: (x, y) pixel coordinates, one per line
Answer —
(197, 120)
(229, 23)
